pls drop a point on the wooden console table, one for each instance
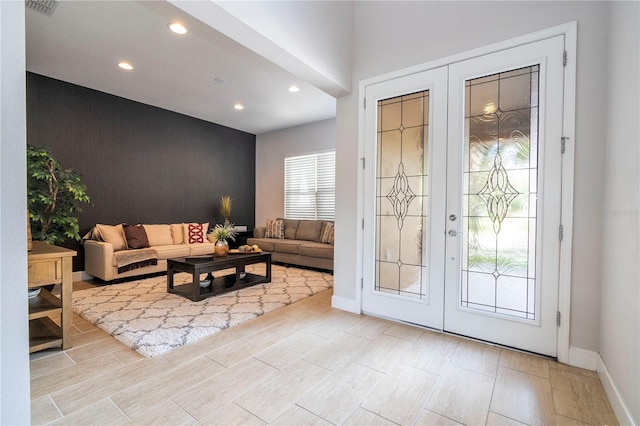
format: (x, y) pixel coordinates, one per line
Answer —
(49, 264)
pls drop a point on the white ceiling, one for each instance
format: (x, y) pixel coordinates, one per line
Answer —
(83, 41)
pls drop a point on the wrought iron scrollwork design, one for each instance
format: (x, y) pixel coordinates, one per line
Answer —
(400, 195)
(497, 193)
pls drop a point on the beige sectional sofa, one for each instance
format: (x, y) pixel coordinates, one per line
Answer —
(302, 242)
(109, 254)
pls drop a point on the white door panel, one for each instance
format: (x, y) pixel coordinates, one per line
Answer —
(405, 195)
(503, 180)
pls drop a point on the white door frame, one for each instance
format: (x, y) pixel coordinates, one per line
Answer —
(569, 30)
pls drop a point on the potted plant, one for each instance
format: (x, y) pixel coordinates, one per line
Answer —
(54, 198)
(225, 208)
(221, 233)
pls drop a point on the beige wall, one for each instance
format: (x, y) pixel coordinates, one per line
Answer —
(14, 331)
(389, 36)
(620, 292)
(271, 148)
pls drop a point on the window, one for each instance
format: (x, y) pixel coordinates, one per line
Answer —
(310, 186)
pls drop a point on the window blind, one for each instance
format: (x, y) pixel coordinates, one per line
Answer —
(310, 186)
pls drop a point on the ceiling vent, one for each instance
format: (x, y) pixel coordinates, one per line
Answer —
(46, 7)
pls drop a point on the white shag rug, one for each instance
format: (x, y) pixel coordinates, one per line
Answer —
(142, 315)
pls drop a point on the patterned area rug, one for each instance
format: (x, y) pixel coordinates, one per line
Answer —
(142, 315)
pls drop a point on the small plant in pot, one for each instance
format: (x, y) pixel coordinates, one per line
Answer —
(54, 198)
(221, 233)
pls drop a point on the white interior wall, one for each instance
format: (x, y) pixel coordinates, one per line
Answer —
(15, 406)
(389, 36)
(620, 293)
(271, 149)
(301, 28)
(310, 39)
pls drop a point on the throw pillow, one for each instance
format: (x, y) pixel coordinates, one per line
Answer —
(112, 234)
(326, 236)
(158, 235)
(195, 232)
(136, 236)
(177, 233)
(275, 229)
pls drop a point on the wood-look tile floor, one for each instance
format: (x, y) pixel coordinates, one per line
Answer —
(310, 364)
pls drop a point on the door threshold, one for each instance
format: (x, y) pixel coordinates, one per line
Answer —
(461, 336)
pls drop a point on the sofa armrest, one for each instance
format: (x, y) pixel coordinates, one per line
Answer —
(98, 259)
(259, 231)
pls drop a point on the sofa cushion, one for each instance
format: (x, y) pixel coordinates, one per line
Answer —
(259, 231)
(171, 251)
(200, 249)
(275, 229)
(309, 230)
(326, 235)
(195, 232)
(136, 236)
(113, 235)
(287, 246)
(290, 228)
(266, 244)
(158, 235)
(324, 251)
(177, 233)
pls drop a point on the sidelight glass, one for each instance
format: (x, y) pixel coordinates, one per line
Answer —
(500, 193)
(401, 195)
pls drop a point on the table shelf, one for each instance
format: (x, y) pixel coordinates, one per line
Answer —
(220, 285)
(49, 264)
(44, 334)
(44, 304)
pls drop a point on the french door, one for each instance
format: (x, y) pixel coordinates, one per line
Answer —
(464, 196)
(406, 126)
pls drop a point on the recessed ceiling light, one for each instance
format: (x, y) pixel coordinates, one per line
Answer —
(177, 28)
(238, 107)
(294, 89)
(125, 66)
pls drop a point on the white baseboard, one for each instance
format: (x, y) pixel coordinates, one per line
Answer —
(617, 402)
(583, 358)
(345, 304)
(81, 276)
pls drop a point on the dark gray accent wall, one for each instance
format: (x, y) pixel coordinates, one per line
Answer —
(141, 164)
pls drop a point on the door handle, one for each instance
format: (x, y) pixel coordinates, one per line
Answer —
(453, 232)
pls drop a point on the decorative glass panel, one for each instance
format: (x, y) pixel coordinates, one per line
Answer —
(499, 193)
(401, 195)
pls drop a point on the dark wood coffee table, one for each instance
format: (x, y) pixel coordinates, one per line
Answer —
(222, 284)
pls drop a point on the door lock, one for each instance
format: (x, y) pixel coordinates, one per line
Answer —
(453, 232)
(452, 217)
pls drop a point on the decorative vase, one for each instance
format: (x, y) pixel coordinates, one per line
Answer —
(221, 248)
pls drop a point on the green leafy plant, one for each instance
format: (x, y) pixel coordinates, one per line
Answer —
(224, 232)
(54, 197)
